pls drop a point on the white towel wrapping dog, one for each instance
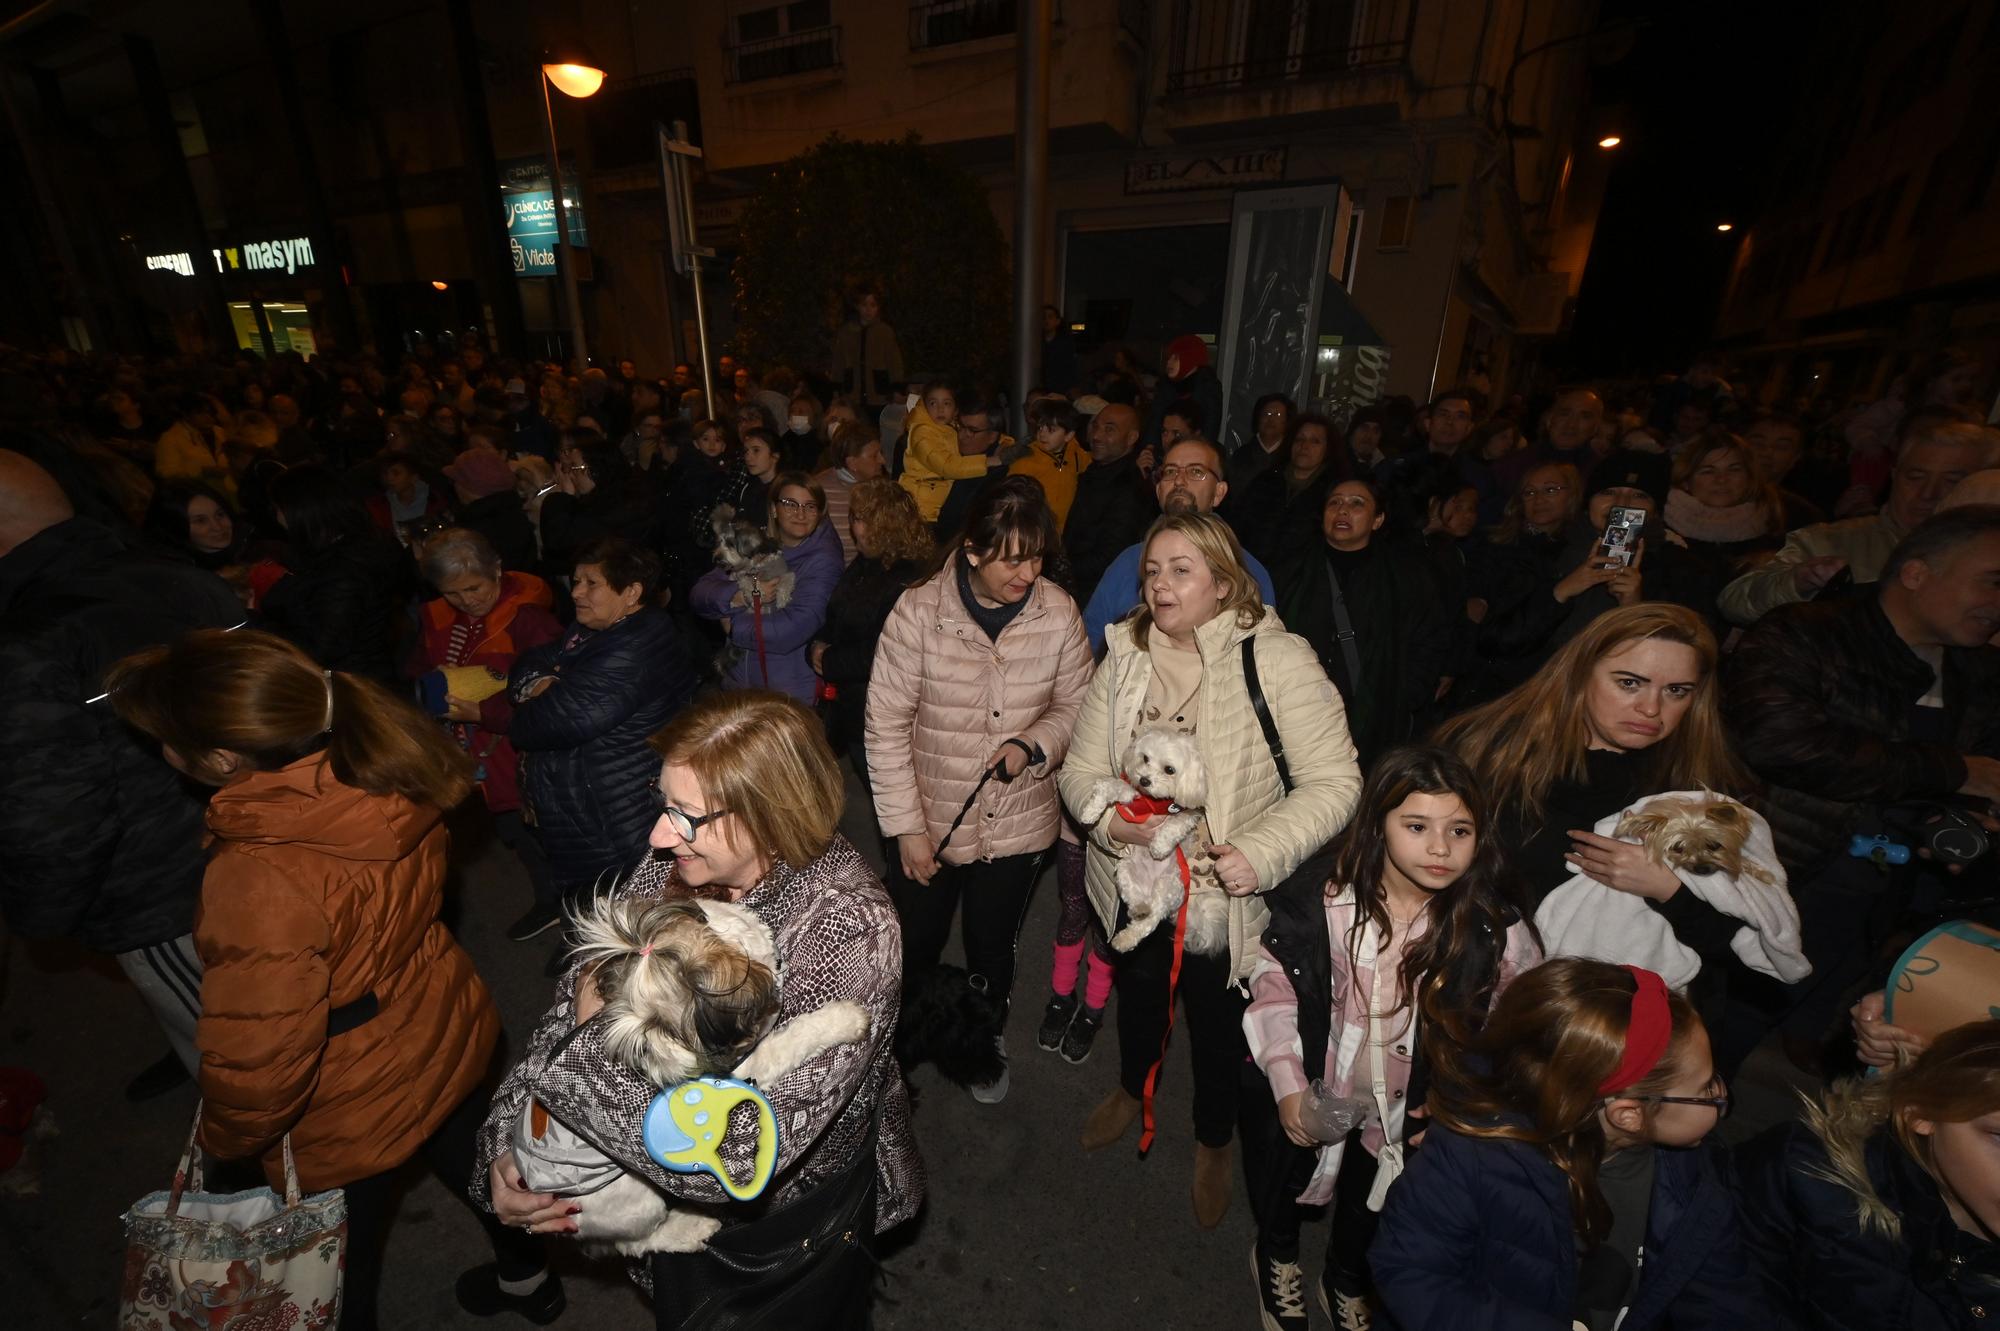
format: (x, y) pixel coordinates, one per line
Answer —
(1722, 852)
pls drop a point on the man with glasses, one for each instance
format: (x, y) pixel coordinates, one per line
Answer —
(1190, 479)
(978, 432)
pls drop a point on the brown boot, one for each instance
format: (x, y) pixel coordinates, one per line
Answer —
(1108, 1122)
(1211, 1184)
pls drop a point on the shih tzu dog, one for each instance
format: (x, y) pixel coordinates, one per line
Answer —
(690, 989)
(1164, 776)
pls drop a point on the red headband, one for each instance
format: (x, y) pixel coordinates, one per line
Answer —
(1647, 1035)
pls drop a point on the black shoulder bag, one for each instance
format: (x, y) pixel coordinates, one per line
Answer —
(1263, 710)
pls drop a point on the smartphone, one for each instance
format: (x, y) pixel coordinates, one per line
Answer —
(1621, 534)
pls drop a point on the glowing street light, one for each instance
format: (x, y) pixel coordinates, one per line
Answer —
(574, 80)
(1609, 141)
(1725, 226)
(439, 285)
(574, 74)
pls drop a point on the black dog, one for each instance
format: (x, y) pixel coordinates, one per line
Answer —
(948, 1022)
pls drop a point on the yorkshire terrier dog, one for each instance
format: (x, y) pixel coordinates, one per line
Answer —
(753, 557)
(1164, 776)
(690, 989)
(1696, 836)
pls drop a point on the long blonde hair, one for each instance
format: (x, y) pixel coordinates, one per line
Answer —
(1219, 549)
(1537, 734)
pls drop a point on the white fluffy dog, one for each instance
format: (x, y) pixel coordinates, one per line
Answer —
(690, 989)
(1164, 776)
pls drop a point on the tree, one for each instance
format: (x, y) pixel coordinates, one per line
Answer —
(894, 213)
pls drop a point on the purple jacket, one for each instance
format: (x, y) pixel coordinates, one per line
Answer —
(816, 562)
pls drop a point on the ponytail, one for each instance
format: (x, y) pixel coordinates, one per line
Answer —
(259, 696)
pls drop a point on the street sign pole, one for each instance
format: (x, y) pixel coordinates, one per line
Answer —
(677, 156)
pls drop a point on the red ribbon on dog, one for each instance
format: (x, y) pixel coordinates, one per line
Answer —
(1173, 985)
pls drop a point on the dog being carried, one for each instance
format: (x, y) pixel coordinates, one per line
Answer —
(1164, 777)
(690, 989)
(763, 579)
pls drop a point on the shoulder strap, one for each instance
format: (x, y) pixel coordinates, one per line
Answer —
(1343, 631)
(1263, 710)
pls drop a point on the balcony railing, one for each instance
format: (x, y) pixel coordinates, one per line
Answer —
(808, 52)
(1226, 44)
(935, 23)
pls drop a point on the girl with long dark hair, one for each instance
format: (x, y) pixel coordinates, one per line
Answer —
(1407, 947)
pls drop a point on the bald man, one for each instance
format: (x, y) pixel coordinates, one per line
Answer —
(100, 841)
(1114, 501)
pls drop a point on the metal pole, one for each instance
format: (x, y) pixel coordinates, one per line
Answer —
(1031, 172)
(565, 258)
(701, 333)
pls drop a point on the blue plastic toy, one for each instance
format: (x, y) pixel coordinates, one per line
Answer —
(684, 1127)
(1878, 848)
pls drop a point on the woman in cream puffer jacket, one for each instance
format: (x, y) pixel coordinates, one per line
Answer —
(984, 663)
(1201, 606)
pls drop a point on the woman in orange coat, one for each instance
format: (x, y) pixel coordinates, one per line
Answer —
(336, 1007)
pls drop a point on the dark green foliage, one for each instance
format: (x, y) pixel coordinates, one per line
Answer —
(896, 214)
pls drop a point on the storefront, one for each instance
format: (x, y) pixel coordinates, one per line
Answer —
(273, 285)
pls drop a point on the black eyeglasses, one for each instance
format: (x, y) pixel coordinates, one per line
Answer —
(1719, 1103)
(685, 824)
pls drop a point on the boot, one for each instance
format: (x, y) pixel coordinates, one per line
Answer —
(1108, 1122)
(1211, 1184)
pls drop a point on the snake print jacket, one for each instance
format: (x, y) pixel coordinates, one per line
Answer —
(838, 937)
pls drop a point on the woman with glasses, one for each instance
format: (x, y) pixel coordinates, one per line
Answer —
(744, 799)
(773, 636)
(583, 707)
(1564, 1182)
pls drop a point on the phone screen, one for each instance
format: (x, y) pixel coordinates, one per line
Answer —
(1621, 534)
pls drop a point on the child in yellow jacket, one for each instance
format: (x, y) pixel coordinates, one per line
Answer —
(931, 460)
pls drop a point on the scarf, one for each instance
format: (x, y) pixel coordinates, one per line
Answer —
(1720, 526)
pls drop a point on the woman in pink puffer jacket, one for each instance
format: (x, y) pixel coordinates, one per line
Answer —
(981, 668)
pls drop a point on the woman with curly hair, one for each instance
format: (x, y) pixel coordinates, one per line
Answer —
(893, 545)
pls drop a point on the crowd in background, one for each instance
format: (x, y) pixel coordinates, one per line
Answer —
(1429, 657)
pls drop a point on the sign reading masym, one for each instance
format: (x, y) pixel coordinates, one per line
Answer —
(258, 256)
(530, 208)
(1201, 172)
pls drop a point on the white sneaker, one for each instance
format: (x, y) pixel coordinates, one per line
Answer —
(994, 1091)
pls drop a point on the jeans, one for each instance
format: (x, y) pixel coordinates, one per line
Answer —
(1214, 1028)
(995, 895)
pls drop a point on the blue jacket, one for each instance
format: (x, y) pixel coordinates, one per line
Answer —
(816, 562)
(1117, 593)
(584, 758)
(1477, 1236)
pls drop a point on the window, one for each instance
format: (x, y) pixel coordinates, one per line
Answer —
(935, 23)
(771, 41)
(1399, 222)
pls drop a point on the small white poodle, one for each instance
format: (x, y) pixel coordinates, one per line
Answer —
(1164, 776)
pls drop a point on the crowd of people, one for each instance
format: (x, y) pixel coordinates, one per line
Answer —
(1480, 781)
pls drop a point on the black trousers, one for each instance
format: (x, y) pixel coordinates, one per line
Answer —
(1213, 1031)
(449, 1153)
(516, 836)
(1276, 1171)
(994, 895)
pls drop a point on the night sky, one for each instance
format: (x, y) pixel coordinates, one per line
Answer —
(1705, 101)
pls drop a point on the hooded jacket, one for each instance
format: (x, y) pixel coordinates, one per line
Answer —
(100, 840)
(944, 696)
(1247, 806)
(1847, 1231)
(773, 652)
(322, 897)
(931, 462)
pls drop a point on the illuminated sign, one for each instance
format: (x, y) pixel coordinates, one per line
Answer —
(258, 256)
(529, 207)
(173, 263)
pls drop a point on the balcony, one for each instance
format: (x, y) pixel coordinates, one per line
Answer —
(812, 51)
(948, 22)
(1224, 45)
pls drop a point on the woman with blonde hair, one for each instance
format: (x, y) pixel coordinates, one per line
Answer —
(1731, 520)
(748, 798)
(1881, 1207)
(1204, 656)
(337, 1011)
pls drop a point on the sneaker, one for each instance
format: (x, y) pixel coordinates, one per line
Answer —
(1347, 1312)
(993, 1092)
(479, 1293)
(539, 919)
(158, 1079)
(1055, 1021)
(1081, 1034)
(1281, 1292)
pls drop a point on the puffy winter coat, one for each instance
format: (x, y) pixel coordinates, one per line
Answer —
(861, 603)
(1819, 698)
(944, 696)
(1247, 805)
(321, 906)
(342, 604)
(1803, 1210)
(519, 621)
(931, 462)
(1477, 1235)
(585, 763)
(100, 840)
(1114, 506)
(1058, 478)
(779, 660)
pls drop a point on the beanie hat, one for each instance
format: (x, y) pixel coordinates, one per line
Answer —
(1191, 351)
(480, 472)
(1625, 469)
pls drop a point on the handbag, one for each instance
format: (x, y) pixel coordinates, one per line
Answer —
(232, 1262)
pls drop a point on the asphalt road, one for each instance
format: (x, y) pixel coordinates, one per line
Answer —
(1022, 1230)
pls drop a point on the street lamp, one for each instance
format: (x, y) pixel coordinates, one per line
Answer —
(1725, 226)
(574, 74)
(1609, 141)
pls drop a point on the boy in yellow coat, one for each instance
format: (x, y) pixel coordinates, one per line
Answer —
(1057, 457)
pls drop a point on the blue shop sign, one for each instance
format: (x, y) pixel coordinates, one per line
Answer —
(530, 210)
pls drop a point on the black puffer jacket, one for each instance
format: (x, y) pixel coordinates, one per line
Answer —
(860, 606)
(342, 604)
(1114, 505)
(100, 840)
(584, 758)
(1819, 697)
(1804, 1234)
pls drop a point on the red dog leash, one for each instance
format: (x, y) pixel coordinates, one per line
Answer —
(757, 628)
(1138, 811)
